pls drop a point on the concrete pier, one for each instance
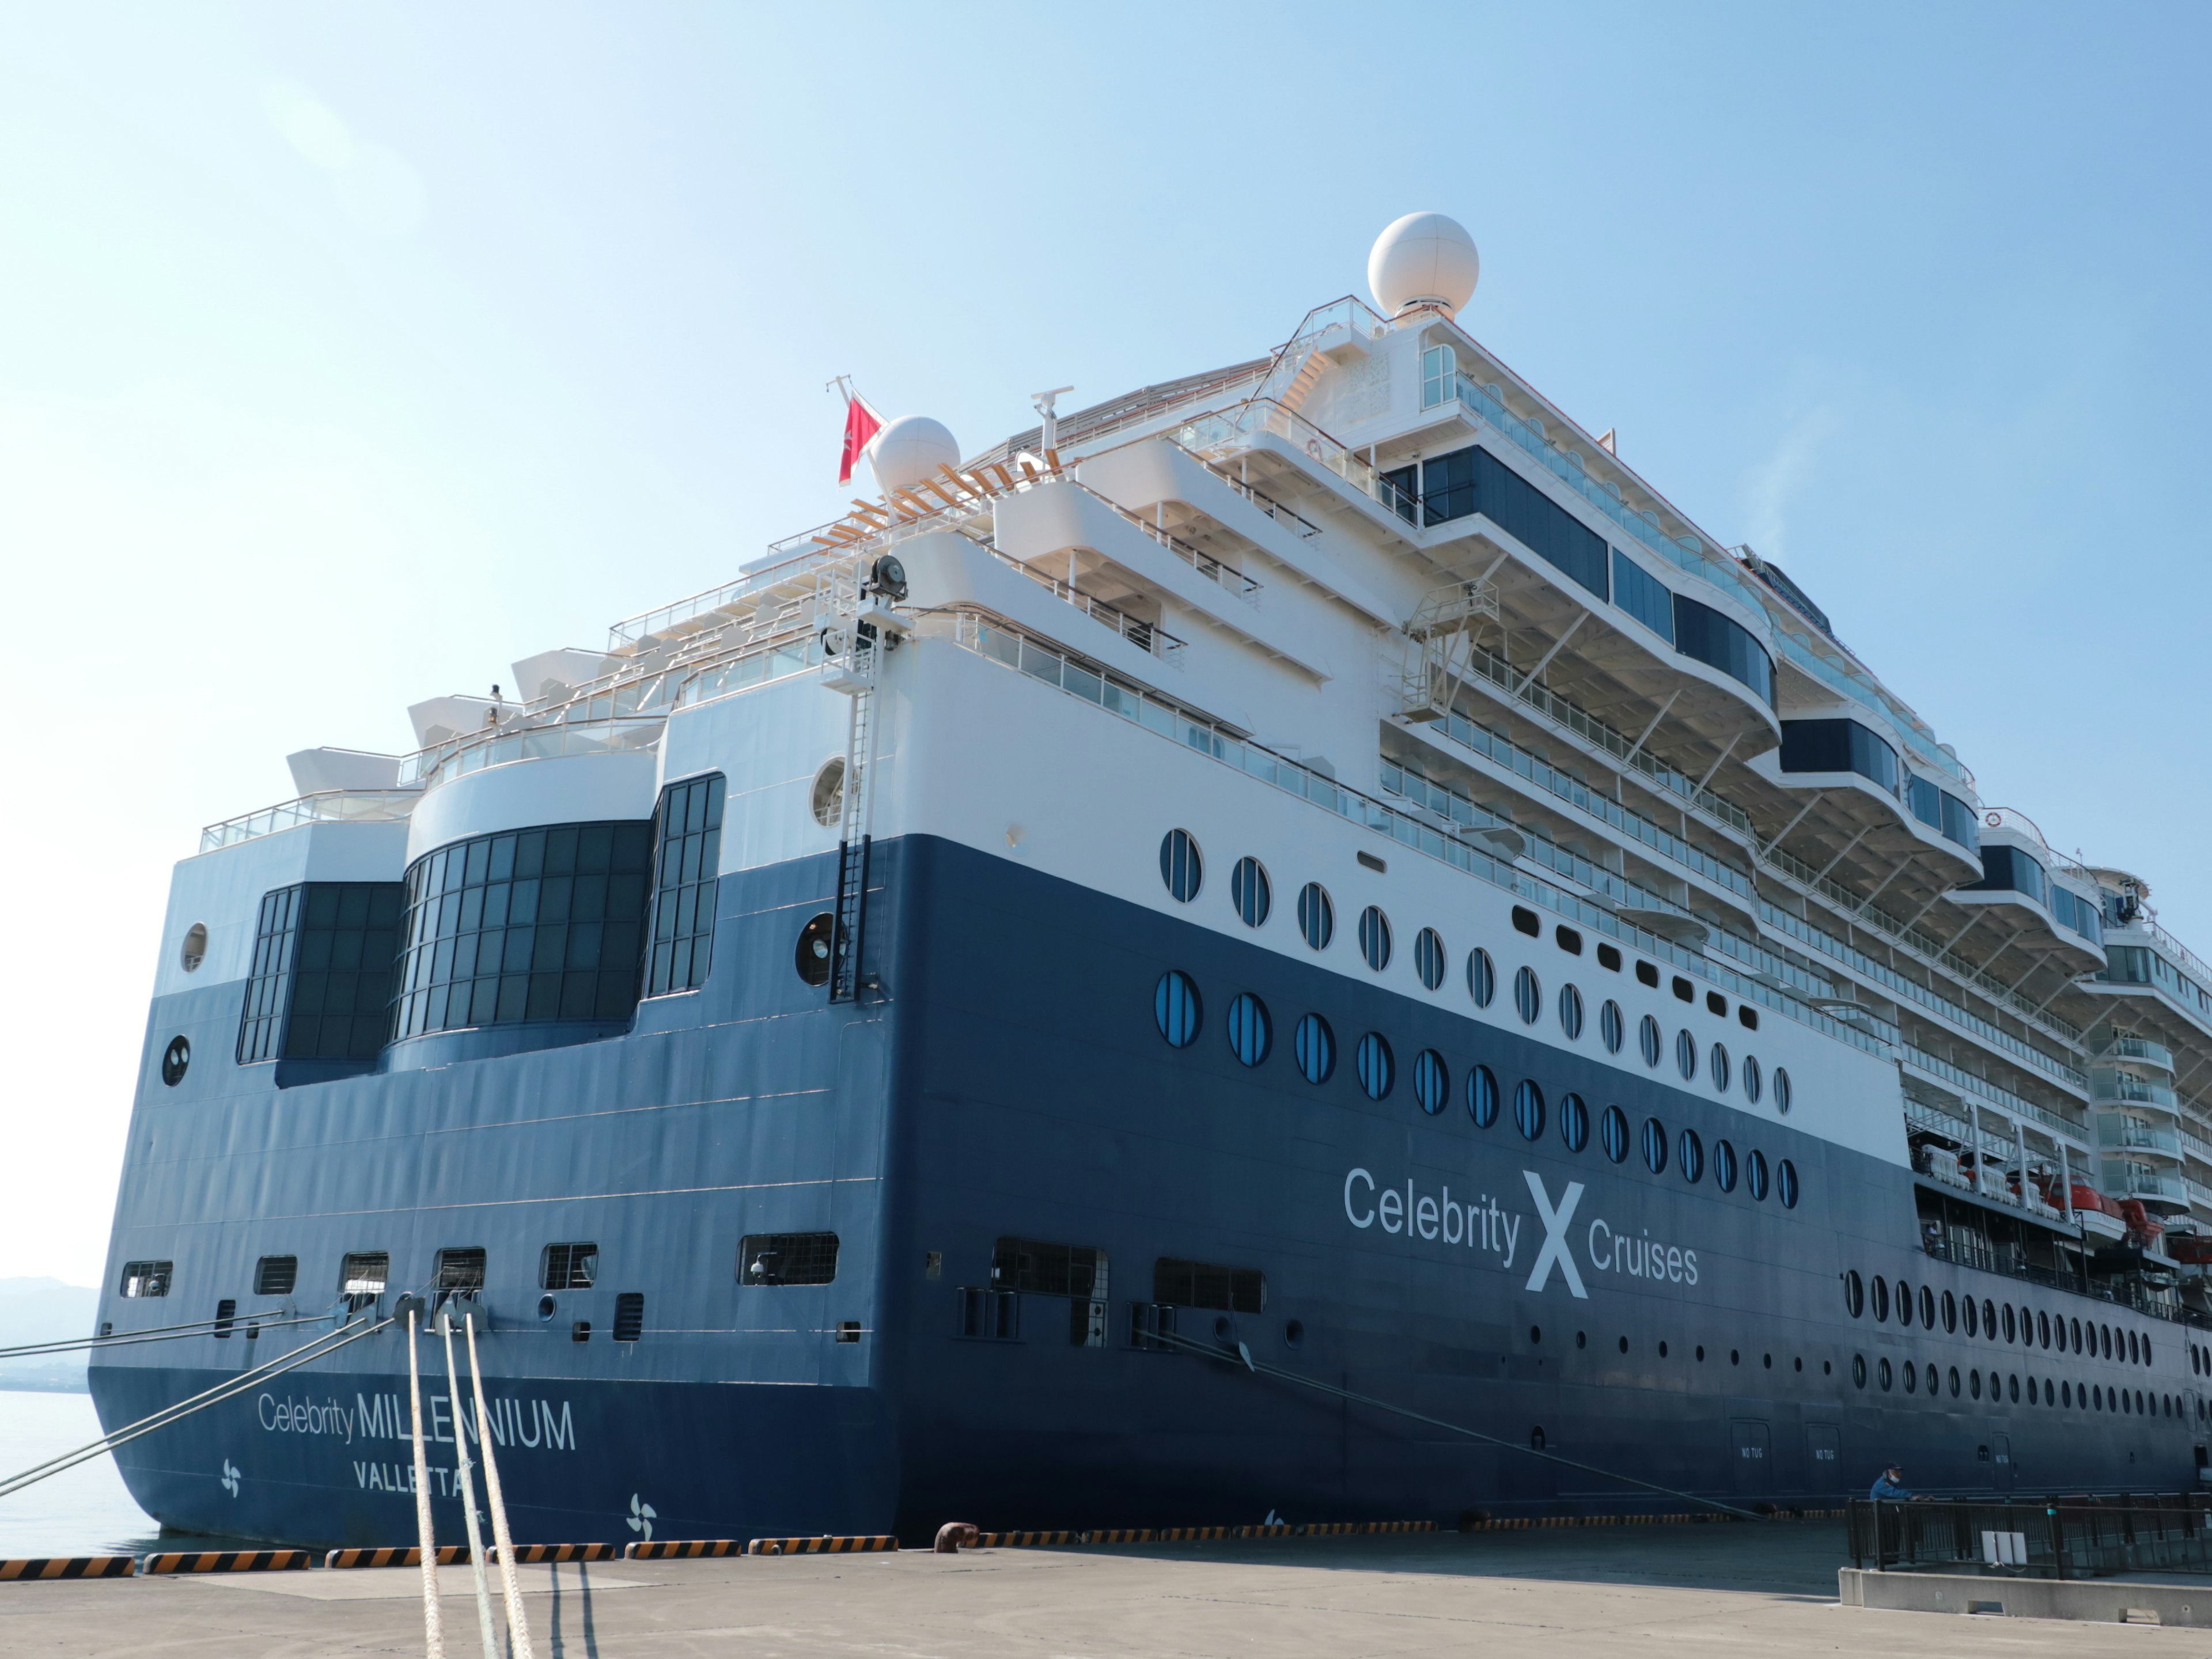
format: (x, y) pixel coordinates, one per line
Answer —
(1698, 1591)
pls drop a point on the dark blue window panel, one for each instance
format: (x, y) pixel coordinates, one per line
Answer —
(1250, 891)
(1642, 596)
(1839, 746)
(1181, 867)
(1176, 1007)
(1647, 1040)
(1402, 492)
(1529, 1109)
(2126, 964)
(1609, 1026)
(1960, 824)
(2007, 869)
(1754, 1174)
(1570, 1011)
(1374, 937)
(1482, 1095)
(1613, 1131)
(1685, 1056)
(2079, 914)
(1317, 915)
(1528, 995)
(1753, 1081)
(1481, 977)
(1377, 1068)
(1432, 1081)
(1429, 958)
(1785, 1182)
(1655, 1145)
(1314, 1046)
(1690, 1157)
(689, 837)
(322, 976)
(1717, 1063)
(1724, 1166)
(1702, 634)
(1574, 1122)
(1474, 480)
(1251, 1033)
(1782, 1092)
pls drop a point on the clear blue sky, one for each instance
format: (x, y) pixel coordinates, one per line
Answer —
(348, 354)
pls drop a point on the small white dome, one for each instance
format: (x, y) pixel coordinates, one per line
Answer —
(909, 449)
(1424, 257)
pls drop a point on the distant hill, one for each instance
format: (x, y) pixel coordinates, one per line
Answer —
(45, 1310)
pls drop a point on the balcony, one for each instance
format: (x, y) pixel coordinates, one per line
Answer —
(2141, 1050)
(2128, 1179)
(2113, 1131)
(2119, 1086)
(331, 806)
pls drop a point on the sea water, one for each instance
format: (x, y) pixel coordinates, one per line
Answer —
(86, 1511)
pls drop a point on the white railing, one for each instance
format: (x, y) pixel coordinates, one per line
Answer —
(2136, 1049)
(330, 806)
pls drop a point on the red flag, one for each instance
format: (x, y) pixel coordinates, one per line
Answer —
(862, 423)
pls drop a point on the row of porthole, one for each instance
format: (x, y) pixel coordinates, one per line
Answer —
(1178, 1010)
(2027, 1327)
(1182, 867)
(2088, 1396)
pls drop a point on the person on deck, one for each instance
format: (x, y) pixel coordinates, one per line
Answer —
(1890, 1483)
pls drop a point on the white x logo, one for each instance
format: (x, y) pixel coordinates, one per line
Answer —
(1555, 1235)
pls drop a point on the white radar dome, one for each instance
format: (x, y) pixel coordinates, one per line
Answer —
(1424, 259)
(909, 449)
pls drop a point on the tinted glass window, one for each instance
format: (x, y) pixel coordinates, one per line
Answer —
(276, 1275)
(1574, 1122)
(146, 1278)
(687, 832)
(2007, 869)
(1528, 995)
(1647, 1039)
(1314, 1046)
(1176, 1008)
(1655, 1145)
(1475, 481)
(460, 1269)
(788, 1259)
(1377, 1070)
(1482, 1097)
(1182, 870)
(1250, 1032)
(1570, 1011)
(1609, 1026)
(1690, 1155)
(1702, 633)
(1040, 1269)
(1429, 957)
(1754, 1173)
(1374, 937)
(1724, 1167)
(322, 972)
(1250, 891)
(1481, 977)
(1839, 746)
(1431, 1082)
(1202, 1285)
(1642, 596)
(1317, 915)
(1613, 1131)
(1528, 1110)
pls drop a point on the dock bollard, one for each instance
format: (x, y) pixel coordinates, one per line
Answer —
(954, 1537)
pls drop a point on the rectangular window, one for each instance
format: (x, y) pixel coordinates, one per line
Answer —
(688, 837)
(1839, 746)
(1642, 596)
(1202, 1285)
(364, 1273)
(569, 1267)
(322, 982)
(269, 988)
(276, 1275)
(146, 1277)
(1474, 480)
(987, 1315)
(2007, 869)
(225, 1315)
(1439, 376)
(461, 1270)
(1024, 1264)
(788, 1259)
(629, 1316)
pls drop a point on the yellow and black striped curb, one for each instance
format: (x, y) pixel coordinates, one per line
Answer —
(684, 1549)
(396, 1555)
(227, 1561)
(1701, 1517)
(825, 1545)
(526, 1553)
(1179, 1534)
(67, 1566)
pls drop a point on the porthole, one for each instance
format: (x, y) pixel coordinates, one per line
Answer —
(1250, 891)
(1429, 957)
(1528, 995)
(1294, 1334)
(1529, 1109)
(1989, 1319)
(1374, 937)
(1974, 1384)
(1647, 973)
(2015, 1388)
(2043, 1329)
(1317, 915)
(1884, 1375)
(1481, 977)
(1950, 1312)
(1376, 1067)
(1747, 1016)
(1955, 1381)
(176, 1061)
(1570, 1011)
(2011, 1328)
(1570, 940)
(1176, 1008)
(1785, 1183)
(1431, 1082)
(1524, 922)
(1754, 1174)
(1647, 1039)
(1724, 1168)
(1753, 1083)
(1690, 1155)
(1481, 1095)
(1251, 1033)
(1904, 1304)
(1782, 1092)
(1574, 1122)
(1181, 867)
(1716, 1004)
(1716, 1063)
(1685, 1056)
(811, 957)
(1313, 1046)
(1932, 1381)
(826, 800)
(1854, 1291)
(1655, 1145)
(1609, 1028)
(1613, 1133)
(1858, 1369)
(1608, 956)
(193, 951)
(1973, 1319)
(1684, 990)
(1911, 1378)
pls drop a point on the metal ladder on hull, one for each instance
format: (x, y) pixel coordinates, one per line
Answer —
(851, 908)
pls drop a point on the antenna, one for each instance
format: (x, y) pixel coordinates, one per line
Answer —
(1049, 437)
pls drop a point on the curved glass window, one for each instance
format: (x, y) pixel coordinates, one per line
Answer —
(2007, 869)
(1754, 1174)
(1753, 1083)
(545, 924)
(1685, 1056)
(1570, 1011)
(1724, 1168)
(1716, 1063)
(1377, 1068)
(2077, 914)
(1839, 746)
(1250, 1031)
(1702, 634)
(1181, 867)
(1429, 957)
(1431, 1082)
(1655, 1145)
(1574, 1122)
(1781, 1091)
(1613, 1133)
(1529, 1109)
(1313, 1045)
(1473, 480)
(1374, 937)
(1785, 1186)
(1176, 1008)
(1647, 1039)
(1250, 891)
(1317, 915)
(1481, 977)
(1690, 1154)
(1481, 1095)
(1528, 995)
(1943, 812)
(1642, 596)
(1609, 1026)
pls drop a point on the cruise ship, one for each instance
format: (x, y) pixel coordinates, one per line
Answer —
(1311, 879)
